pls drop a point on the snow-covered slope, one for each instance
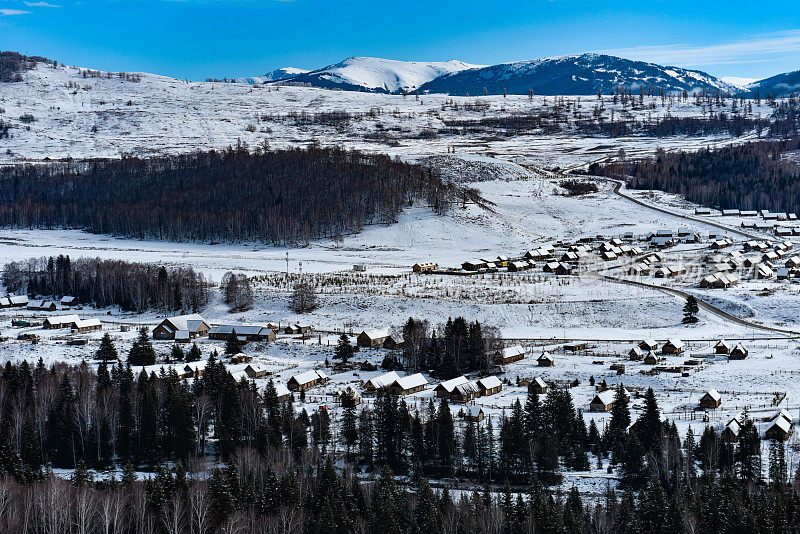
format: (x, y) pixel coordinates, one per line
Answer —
(780, 85)
(380, 75)
(276, 75)
(738, 82)
(575, 75)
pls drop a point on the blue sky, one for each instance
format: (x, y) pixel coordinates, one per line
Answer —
(196, 39)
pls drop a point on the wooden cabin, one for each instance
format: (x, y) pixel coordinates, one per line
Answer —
(465, 392)
(380, 382)
(635, 354)
(603, 401)
(192, 325)
(779, 430)
(297, 329)
(650, 359)
(538, 386)
(245, 332)
(732, 431)
(60, 321)
(83, 326)
(446, 388)
(42, 305)
(190, 370)
(511, 354)
(423, 267)
(474, 265)
(648, 344)
(306, 380)
(711, 400)
(489, 385)
(407, 385)
(562, 269)
(722, 347)
(350, 391)
(372, 338)
(256, 370)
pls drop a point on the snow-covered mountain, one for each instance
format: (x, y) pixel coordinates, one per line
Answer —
(574, 75)
(738, 82)
(779, 85)
(276, 75)
(380, 75)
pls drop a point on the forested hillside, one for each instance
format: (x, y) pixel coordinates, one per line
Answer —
(275, 197)
(750, 176)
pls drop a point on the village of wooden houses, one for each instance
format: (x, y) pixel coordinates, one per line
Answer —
(700, 373)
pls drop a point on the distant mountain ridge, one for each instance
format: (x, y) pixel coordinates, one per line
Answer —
(380, 75)
(273, 76)
(583, 74)
(779, 85)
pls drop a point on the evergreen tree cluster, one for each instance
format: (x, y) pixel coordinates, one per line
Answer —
(458, 347)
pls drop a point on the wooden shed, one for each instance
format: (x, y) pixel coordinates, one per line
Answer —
(739, 352)
(545, 360)
(672, 346)
(474, 414)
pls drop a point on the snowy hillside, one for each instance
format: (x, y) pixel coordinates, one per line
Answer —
(381, 75)
(71, 112)
(780, 85)
(276, 75)
(738, 82)
(575, 75)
